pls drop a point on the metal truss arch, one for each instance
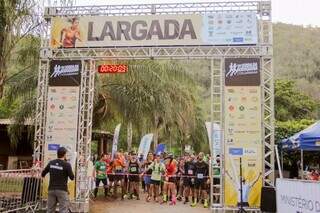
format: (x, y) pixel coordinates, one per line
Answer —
(216, 54)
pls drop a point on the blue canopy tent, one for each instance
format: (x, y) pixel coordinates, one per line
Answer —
(305, 140)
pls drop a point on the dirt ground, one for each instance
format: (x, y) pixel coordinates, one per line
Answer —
(108, 205)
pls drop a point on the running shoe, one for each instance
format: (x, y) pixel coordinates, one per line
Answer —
(194, 203)
(206, 204)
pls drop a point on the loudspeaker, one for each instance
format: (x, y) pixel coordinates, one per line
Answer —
(268, 199)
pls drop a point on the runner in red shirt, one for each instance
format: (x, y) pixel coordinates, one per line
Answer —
(169, 187)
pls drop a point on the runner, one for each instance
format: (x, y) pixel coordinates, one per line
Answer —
(201, 178)
(109, 171)
(125, 157)
(100, 175)
(188, 182)
(134, 178)
(118, 169)
(179, 183)
(70, 35)
(147, 176)
(169, 187)
(157, 169)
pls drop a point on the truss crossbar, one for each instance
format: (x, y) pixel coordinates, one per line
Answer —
(262, 8)
(163, 52)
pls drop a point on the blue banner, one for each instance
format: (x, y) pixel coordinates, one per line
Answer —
(160, 149)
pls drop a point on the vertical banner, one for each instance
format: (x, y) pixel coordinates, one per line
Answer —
(115, 140)
(243, 132)
(215, 144)
(144, 146)
(129, 136)
(62, 114)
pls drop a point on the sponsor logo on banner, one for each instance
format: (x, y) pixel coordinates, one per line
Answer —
(242, 72)
(64, 73)
(154, 30)
(236, 151)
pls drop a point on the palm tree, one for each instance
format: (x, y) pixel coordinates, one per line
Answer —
(18, 20)
(153, 94)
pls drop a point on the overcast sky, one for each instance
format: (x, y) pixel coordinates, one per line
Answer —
(301, 12)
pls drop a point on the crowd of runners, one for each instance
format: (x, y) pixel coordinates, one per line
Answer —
(162, 178)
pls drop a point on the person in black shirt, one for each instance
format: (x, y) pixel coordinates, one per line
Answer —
(189, 171)
(134, 175)
(60, 170)
(201, 178)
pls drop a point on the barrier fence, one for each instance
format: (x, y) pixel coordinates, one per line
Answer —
(19, 190)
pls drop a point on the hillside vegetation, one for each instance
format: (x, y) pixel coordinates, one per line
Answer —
(297, 56)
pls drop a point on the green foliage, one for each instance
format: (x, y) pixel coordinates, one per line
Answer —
(285, 129)
(296, 56)
(18, 20)
(291, 104)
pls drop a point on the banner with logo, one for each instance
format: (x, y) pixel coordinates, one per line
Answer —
(229, 28)
(115, 140)
(144, 146)
(214, 131)
(298, 196)
(243, 131)
(62, 114)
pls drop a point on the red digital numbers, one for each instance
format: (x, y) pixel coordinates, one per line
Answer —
(113, 68)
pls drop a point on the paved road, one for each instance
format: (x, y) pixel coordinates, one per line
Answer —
(133, 206)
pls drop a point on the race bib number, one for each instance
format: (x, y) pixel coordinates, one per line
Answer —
(200, 176)
(190, 172)
(133, 169)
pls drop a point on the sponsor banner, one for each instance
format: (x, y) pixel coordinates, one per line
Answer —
(65, 73)
(297, 196)
(115, 140)
(144, 146)
(215, 144)
(242, 71)
(229, 28)
(62, 127)
(243, 140)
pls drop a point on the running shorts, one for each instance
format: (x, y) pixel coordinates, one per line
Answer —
(155, 182)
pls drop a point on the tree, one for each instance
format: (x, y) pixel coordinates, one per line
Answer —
(291, 104)
(153, 95)
(18, 19)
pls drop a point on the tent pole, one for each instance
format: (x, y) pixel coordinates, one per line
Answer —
(282, 158)
(278, 161)
(301, 163)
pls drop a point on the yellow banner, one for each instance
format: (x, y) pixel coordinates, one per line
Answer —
(243, 139)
